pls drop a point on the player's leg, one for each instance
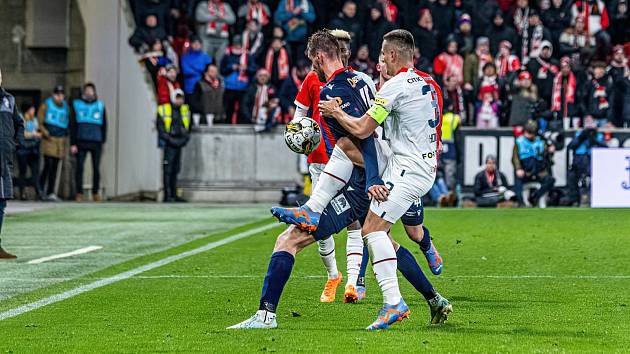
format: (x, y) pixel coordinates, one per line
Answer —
(335, 176)
(416, 231)
(354, 259)
(361, 281)
(288, 244)
(326, 248)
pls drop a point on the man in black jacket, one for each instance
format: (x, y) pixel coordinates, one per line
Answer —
(173, 124)
(491, 185)
(11, 133)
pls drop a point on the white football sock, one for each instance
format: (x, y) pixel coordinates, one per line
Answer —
(354, 255)
(384, 265)
(327, 253)
(334, 177)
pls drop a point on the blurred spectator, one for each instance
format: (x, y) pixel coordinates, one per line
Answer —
(577, 43)
(439, 192)
(563, 99)
(490, 79)
(277, 62)
(214, 18)
(208, 96)
(167, 84)
(194, 64)
(173, 125)
(450, 139)
(295, 16)
(28, 153)
(161, 9)
(291, 85)
(348, 21)
(482, 14)
(544, 69)
(581, 146)
(620, 22)
(622, 101)
(464, 37)
(523, 99)
(520, 18)
(598, 96)
(88, 132)
(454, 92)
(377, 26)
(425, 35)
(530, 159)
(54, 118)
(596, 21)
(444, 18)
(237, 67)
(506, 62)
(256, 99)
(491, 185)
(487, 108)
(531, 40)
(500, 32)
(556, 18)
(254, 10)
(421, 63)
(145, 35)
(474, 64)
(449, 64)
(363, 63)
(618, 63)
(154, 60)
(253, 41)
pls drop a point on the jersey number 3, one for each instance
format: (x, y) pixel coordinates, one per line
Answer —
(426, 89)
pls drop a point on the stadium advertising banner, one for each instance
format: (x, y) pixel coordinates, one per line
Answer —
(610, 178)
(476, 144)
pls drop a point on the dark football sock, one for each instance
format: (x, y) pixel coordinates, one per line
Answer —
(364, 264)
(425, 244)
(278, 273)
(410, 269)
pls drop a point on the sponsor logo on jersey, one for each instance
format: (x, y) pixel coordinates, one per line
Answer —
(380, 101)
(415, 79)
(433, 137)
(345, 105)
(353, 81)
(429, 155)
(330, 86)
(340, 204)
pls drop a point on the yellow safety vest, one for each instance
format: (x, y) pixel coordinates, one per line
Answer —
(165, 111)
(450, 121)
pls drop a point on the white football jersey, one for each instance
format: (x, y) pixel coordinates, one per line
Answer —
(365, 77)
(408, 107)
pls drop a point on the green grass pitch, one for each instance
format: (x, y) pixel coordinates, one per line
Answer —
(554, 280)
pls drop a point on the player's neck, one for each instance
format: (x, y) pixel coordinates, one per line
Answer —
(401, 66)
(330, 67)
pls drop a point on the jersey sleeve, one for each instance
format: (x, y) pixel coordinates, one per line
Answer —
(384, 101)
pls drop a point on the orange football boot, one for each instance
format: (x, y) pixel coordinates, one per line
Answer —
(330, 289)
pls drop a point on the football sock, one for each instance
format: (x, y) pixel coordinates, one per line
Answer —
(278, 272)
(334, 177)
(384, 264)
(327, 253)
(354, 256)
(364, 264)
(425, 244)
(410, 269)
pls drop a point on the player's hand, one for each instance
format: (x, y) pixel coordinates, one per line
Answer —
(520, 173)
(378, 192)
(328, 108)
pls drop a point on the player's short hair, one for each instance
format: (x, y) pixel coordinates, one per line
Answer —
(341, 35)
(325, 42)
(402, 40)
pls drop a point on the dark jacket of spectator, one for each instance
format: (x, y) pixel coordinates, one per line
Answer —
(498, 33)
(619, 22)
(444, 18)
(482, 16)
(159, 9)
(543, 71)
(11, 134)
(289, 89)
(377, 26)
(426, 36)
(351, 25)
(295, 16)
(522, 102)
(598, 98)
(488, 184)
(236, 78)
(254, 10)
(556, 19)
(255, 100)
(208, 98)
(622, 102)
(143, 36)
(193, 65)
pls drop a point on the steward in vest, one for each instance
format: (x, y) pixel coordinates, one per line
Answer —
(11, 133)
(173, 124)
(88, 131)
(450, 138)
(54, 121)
(531, 158)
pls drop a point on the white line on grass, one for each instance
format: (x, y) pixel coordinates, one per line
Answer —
(67, 254)
(128, 274)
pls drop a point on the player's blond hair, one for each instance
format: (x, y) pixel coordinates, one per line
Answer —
(341, 35)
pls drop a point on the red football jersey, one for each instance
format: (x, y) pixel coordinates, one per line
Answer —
(308, 99)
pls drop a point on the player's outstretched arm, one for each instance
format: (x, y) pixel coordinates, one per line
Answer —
(359, 127)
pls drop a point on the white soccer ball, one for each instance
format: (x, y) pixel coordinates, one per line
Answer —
(302, 136)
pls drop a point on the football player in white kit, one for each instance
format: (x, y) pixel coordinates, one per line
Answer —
(409, 107)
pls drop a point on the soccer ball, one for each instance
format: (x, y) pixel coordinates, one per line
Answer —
(302, 136)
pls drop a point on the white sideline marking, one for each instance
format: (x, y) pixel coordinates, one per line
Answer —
(128, 274)
(67, 254)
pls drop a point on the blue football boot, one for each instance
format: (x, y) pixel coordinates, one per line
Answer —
(433, 258)
(390, 314)
(302, 217)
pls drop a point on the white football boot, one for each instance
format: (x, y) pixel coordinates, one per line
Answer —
(260, 320)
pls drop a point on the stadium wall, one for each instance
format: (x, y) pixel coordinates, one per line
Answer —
(131, 160)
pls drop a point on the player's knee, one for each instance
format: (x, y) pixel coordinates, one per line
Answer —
(292, 240)
(415, 233)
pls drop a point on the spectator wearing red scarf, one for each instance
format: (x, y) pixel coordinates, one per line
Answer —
(491, 185)
(449, 64)
(596, 22)
(506, 62)
(563, 103)
(295, 16)
(277, 62)
(254, 10)
(214, 18)
(167, 84)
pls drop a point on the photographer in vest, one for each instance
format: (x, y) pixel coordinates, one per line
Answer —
(54, 121)
(11, 134)
(88, 131)
(173, 124)
(531, 160)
